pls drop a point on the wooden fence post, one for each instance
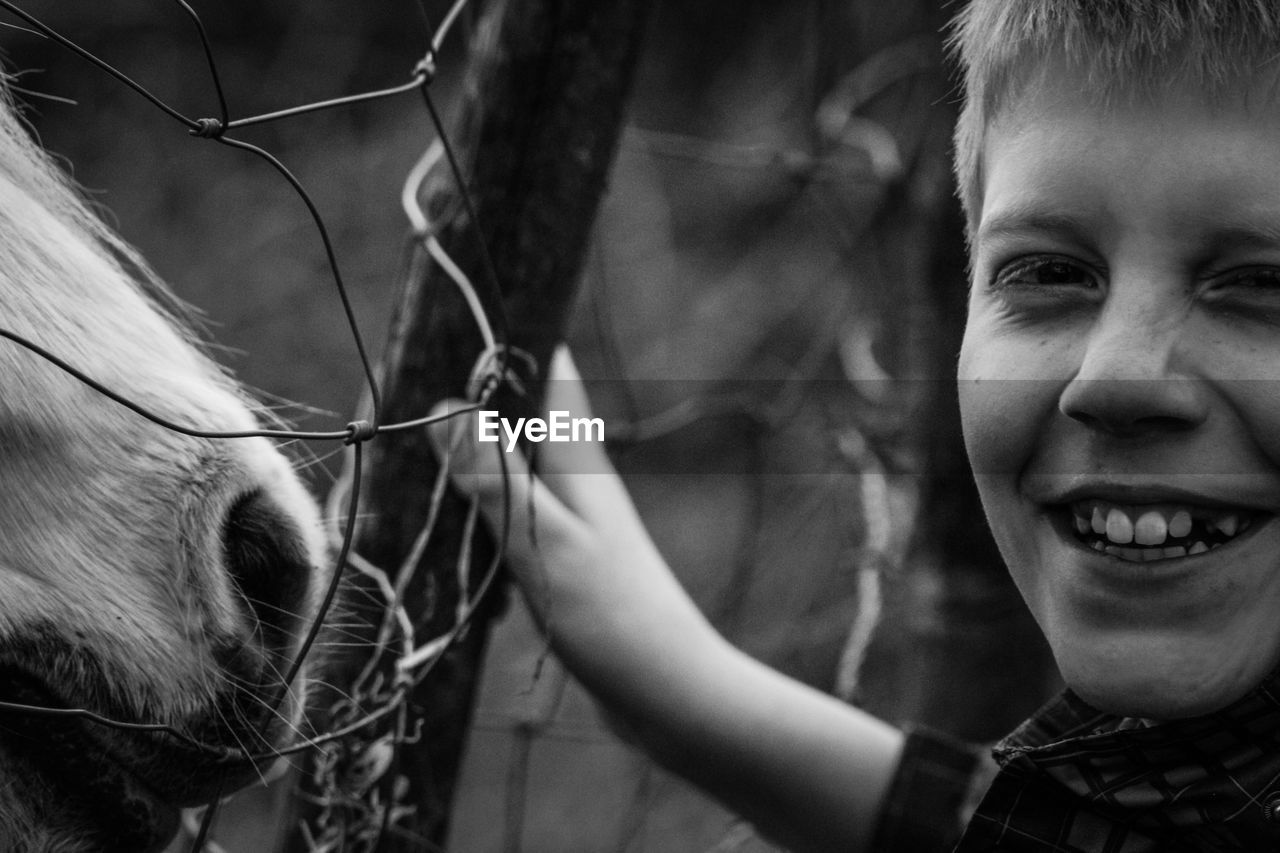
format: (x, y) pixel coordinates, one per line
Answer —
(543, 106)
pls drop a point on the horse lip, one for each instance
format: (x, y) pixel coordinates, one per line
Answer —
(134, 783)
(143, 754)
(99, 789)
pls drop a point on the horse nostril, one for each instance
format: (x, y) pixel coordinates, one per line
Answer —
(268, 561)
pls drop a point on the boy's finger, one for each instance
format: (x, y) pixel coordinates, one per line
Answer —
(581, 473)
(564, 385)
(482, 471)
(579, 481)
(507, 496)
(454, 440)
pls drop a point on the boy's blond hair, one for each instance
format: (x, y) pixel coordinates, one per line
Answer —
(1126, 47)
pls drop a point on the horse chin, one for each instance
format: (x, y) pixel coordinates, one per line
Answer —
(98, 798)
(122, 790)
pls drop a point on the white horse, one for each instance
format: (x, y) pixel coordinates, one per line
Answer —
(146, 576)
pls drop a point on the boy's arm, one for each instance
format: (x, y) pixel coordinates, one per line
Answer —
(809, 771)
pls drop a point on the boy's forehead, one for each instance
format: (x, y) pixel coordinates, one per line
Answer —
(1224, 120)
(1055, 77)
(1202, 175)
(1127, 49)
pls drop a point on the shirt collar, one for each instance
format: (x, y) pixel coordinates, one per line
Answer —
(1220, 768)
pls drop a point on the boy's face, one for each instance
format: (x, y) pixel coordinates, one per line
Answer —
(1118, 375)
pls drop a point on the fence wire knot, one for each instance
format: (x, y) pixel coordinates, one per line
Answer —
(359, 432)
(208, 128)
(425, 69)
(491, 370)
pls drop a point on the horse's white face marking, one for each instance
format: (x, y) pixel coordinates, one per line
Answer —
(145, 575)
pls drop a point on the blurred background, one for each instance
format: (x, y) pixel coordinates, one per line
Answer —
(768, 323)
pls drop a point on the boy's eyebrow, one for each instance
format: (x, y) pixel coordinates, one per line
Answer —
(1262, 232)
(1243, 236)
(1015, 221)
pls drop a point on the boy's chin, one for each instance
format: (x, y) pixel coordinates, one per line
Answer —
(1155, 686)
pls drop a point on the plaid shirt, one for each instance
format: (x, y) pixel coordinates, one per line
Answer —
(1074, 780)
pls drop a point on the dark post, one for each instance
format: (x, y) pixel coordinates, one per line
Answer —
(543, 107)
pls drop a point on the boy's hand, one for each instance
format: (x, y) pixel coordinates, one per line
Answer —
(805, 768)
(562, 521)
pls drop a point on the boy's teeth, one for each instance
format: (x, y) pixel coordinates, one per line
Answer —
(1136, 555)
(1154, 532)
(1150, 529)
(1147, 555)
(1119, 527)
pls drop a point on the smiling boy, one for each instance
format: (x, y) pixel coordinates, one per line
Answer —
(1119, 163)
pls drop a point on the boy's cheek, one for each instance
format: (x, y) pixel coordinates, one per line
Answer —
(984, 409)
(1002, 419)
(1009, 382)
(1258, 401)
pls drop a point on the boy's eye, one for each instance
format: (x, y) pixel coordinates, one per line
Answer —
(1252, 278)
(1249, 292)
(1043, 271)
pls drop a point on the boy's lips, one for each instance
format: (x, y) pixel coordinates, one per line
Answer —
(1225, 493)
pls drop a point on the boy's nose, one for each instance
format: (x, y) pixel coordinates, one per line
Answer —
(1130, 384)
